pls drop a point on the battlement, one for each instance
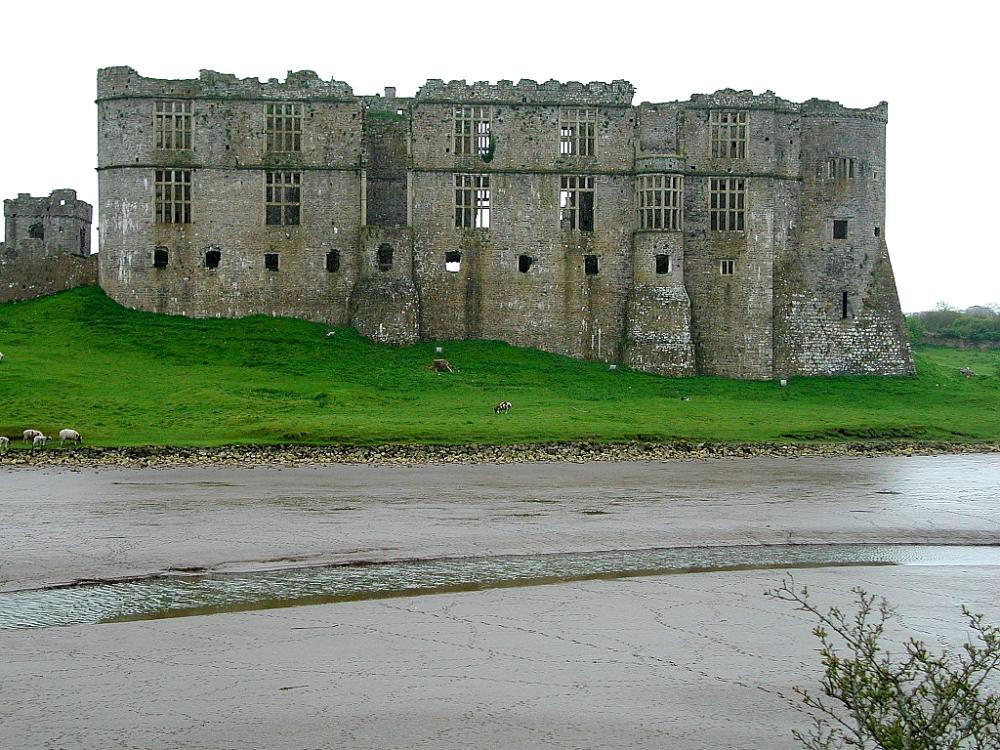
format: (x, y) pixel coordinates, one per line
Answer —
(615, 94)
(124, 82)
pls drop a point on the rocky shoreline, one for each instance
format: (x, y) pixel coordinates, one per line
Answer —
(405, 455)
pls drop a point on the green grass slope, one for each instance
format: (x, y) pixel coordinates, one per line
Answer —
(121, 377)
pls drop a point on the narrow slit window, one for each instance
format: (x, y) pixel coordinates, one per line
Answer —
(83, 241)
(729, 134)
(453, 262)
(172, 196)
(590, 265)
(577, 131)
(843, 305)
(662, 264)
(727, 207)
(161, 256)
(173, 125)
(727, 267)
(383, 257)
(524, 263)
(473, 129)
(333, 261)
(212, 258)
(576, 203)
(472, 201)
(877, 230)
(271, 261)
(282, 198)
(840, 229)
(661, 197)
(284, 127)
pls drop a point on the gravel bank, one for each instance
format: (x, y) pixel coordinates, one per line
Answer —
(403, 455)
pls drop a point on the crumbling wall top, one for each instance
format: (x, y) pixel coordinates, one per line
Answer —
(124, 82)
(824, 108)
(60, 202)
(733, 99)
(615, 94)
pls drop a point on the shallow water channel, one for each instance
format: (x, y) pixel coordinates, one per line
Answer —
(179, 596)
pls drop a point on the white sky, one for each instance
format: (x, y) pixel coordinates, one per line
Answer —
(935, 63)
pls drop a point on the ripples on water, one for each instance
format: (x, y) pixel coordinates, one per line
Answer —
(198, 595)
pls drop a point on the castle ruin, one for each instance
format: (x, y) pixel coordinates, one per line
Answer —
(46, 245)
(731, 234)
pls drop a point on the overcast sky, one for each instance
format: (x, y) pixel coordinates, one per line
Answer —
(935, 63)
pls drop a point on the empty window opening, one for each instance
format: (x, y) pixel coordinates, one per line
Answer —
(83, 240)
(660, 201)
(590, 266)
(877, 231)
(729, 134)
(173, 125)
(472, 201)
(727, 267)
(384, 257)
(36, 232)
(284, 127)
(282, 198)
(161, 257)
(840, 229)
(333, 261)
(212, 258)
(453, 262)
(271, 261)
(524, 263)
(473, 126)
(728, 204)
(172, 191)
(662, 263)
(841, 168)
(843, 305)
(577, 131)
(576, 203)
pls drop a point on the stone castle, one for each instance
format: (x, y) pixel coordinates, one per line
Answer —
(46, 247)
(731, 234)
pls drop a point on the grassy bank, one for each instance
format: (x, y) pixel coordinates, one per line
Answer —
(120, 377)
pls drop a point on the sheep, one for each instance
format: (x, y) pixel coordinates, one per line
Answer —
(1, 356)
(502, 408)
(72, 435)
(29, 435)
(4, 443)
(39, 441)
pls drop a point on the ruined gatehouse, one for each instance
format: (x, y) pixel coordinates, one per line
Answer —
(730, 234)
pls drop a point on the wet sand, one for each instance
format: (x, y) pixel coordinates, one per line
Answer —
(684, 662)
(58, 526)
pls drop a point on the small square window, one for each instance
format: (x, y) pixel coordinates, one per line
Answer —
(524, 263)
(333, 261)
(727, 267)
(840, 229)
(453, 261)
(212, 258)
(662, 263)
(160, 257)
(590, 265)
(383, 257)
(271, 261)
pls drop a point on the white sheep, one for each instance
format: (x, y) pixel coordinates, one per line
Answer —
(4, 442)
(72, 435)
(1, 356)
(29, 435)
(39, 442)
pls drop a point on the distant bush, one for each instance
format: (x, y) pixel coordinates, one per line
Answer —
(978, 324)
(915, 329)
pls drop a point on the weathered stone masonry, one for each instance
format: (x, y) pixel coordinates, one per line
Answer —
(732, 234)
(46, 247)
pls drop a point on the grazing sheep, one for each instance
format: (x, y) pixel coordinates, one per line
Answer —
(1, 356)
(72, 435)
(39, 441)
(29, 435)
(4, 442)
(502, 408)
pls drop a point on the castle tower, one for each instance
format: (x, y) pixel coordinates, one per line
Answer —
(836, 305)
(47, 245)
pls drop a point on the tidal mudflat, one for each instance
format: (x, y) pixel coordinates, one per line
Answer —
(685, 661)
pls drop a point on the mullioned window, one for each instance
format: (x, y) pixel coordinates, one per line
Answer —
(472, 201)
(172, 196)
(473, 129)
(173, 125)
(727, 209)
(576, 202)
(729, 134)
(284, 127)
(577, 131)
(661, 198)
(282, 198)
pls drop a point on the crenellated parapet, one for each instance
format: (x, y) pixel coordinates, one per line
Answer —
(615, 94)
(125, 82)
